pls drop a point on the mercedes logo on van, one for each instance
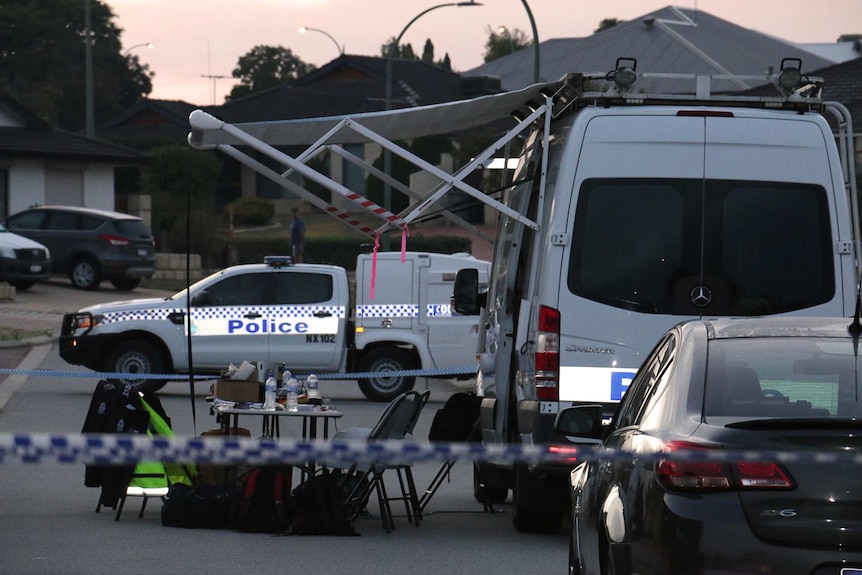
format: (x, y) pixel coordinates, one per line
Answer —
(701, 296)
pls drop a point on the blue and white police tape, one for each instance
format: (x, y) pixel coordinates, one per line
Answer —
(128, 449)
(441, 373)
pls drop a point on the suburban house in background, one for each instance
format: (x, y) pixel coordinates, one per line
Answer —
(41, 165)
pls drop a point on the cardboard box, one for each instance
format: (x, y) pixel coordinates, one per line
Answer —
(246, 389)
(233, 390)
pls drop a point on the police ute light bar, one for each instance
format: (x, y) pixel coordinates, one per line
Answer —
(278, 261)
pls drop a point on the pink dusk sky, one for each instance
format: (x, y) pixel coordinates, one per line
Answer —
(196, 40)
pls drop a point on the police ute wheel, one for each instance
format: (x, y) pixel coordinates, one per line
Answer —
(383, 387)
(136, 357)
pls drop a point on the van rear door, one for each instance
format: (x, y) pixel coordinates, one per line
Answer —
(683, 216)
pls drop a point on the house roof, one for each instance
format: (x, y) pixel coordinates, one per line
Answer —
(156, 118)
(349, 84)
(672, 39)
(22, 134)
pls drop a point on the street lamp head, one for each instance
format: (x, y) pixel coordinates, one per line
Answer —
(304, 29)
(149, 45)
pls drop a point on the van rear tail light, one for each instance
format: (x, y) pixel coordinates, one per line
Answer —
(548, 355)
(563, 453)
(682, 475)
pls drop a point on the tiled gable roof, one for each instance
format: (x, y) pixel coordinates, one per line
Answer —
(349, 84)
(671, 39)
(23, 134)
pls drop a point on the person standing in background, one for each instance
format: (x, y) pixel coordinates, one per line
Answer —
(297, 236)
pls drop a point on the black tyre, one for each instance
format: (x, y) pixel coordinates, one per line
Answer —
(524, 517)
(487, 494)
(385, 387)
(125, 283)
(22, 285)
(136, 357)
(85, 274)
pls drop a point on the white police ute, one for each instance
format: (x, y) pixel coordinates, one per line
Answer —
(298, 315)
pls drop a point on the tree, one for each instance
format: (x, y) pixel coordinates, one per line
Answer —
(503, 42)
(178, 177)
(265, 67)
(607, 23)
(405, 52)
(42, 61)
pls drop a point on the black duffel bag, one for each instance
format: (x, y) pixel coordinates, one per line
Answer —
(205, 506)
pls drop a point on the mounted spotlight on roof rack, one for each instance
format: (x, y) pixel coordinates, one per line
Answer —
(624, 74)
(792, 83)
(790, 77)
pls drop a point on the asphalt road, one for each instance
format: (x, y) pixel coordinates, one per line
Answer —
(48, 522)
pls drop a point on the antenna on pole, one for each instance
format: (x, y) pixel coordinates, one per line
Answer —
(214, 79)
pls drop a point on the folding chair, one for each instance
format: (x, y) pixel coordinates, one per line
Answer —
(396, 422)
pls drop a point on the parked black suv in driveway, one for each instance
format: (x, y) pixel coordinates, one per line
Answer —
(91, 245)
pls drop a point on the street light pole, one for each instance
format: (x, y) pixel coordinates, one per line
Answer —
(88, 70)
(387, 155)
(304, 29)
(536, 56)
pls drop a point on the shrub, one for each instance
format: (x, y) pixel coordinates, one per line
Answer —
(249, 212)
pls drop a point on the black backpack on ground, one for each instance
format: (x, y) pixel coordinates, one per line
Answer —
(205, 506)
(317, 507)
(458, 419)
(264, 501)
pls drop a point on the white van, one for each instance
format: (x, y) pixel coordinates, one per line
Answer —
(651, 209)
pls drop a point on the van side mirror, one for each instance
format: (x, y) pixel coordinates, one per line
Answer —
(581, 423)
(465, 301)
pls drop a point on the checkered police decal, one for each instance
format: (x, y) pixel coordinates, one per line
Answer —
(439, 310)
(241, 320)
(138, 315)
(395, 310)
(403, 310)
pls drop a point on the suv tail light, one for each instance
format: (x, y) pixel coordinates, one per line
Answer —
(677, 475)
(548, 355)
(115, 240)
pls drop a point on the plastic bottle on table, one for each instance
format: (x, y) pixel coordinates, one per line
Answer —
(292, 398)
(311, 386)
(269, 388)
(285, 378)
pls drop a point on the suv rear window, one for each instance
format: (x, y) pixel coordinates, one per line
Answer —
(134, 229)
(761, 247)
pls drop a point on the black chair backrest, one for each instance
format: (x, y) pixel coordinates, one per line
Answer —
(400, 416)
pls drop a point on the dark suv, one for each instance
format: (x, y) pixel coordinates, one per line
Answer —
(91, 245)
